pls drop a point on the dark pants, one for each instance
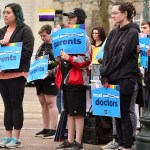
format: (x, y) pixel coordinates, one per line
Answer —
(147, 83)
(74, 100)
(12, 92)
(123, 124)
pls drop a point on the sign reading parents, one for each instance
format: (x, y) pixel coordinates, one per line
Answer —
(106, 101)
(144, 41)
(38, 68)
(69, 40)
(10, 56)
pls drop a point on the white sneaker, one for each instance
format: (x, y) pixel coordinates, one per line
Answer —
(14, 143)
(112, 145)
(4, 141)
(120, 148)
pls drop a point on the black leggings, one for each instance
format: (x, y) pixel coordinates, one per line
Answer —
(12, 92)
(147, 83)
(123, 125)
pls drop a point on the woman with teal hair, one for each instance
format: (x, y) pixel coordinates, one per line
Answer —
(12, 82)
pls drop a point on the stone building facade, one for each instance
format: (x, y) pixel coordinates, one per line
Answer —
(30, 10)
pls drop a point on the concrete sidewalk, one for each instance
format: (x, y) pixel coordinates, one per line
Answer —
(33, 124)
(30, 142)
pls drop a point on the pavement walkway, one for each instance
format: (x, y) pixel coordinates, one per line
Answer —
(33, 124)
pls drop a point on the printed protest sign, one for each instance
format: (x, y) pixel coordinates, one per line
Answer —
(38, 68)
(106, 101)
(95, 66)
(95, 52)
(101, 52)
(96, 84)
(69, 40)
(79, 26)
(10, 56)
(144, 42)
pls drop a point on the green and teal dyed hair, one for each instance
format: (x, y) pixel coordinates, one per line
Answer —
(17, 10)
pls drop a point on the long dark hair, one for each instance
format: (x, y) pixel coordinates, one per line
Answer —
(17, 10)
(128, 7)
(101, 34)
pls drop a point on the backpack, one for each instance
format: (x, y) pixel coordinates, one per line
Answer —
(97, 129)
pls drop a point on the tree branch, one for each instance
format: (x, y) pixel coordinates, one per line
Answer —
(99, 3)
(112, 2)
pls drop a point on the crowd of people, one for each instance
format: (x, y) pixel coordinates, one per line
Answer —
(68, 77)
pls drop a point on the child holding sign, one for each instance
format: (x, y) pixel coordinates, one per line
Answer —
(71, 77)
(46, 88)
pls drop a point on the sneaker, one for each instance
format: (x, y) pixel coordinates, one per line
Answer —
(4, 141)
(133, 147)
(41, 133)
(110, 145)
(14, 143)
(77, 146)
(120, 148)
(66, 145)
(49, 135)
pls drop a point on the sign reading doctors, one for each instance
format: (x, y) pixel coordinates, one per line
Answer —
(38, 68)
(144, 41)
(69, 40)
(10, 56)
(106, 101)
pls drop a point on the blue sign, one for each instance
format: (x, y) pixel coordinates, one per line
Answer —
(10, 56)
(101, 52)
(38, 68)
(106, 102)
(144, 45)
(69, 40)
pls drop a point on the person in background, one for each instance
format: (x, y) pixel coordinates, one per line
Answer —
(12, 82)
(72, 77)
(46, 88)
(98, 36)
(120, 65)
(60, 104)
(145, 28)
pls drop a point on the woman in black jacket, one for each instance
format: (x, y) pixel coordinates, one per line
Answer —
(46, 88)
(120, 64)
(12, 82)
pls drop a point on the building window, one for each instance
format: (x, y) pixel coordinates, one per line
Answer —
(138, 19)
